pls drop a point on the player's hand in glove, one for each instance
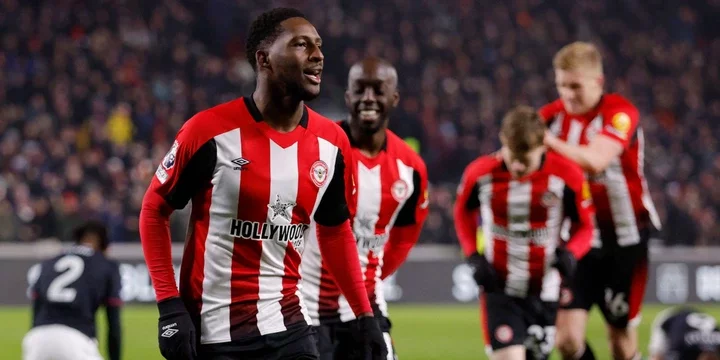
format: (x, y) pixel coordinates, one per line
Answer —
(566, 263)
(370, 343)
(483, 272)
(176, 331)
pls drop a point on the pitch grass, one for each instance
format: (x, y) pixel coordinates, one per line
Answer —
(446, 332)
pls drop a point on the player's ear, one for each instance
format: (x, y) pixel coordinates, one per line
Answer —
(262, 58)
(396, 99)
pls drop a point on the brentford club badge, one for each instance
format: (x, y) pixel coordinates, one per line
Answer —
(319, 173)
(504, 333)
(399, 190)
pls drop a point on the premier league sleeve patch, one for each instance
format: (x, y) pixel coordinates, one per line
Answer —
(169, 160)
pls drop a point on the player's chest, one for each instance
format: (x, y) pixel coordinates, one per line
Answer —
(522, 198)
(257, 171)
(382, 187)
(576, 130)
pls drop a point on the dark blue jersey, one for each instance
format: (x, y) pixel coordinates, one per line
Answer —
(72, 286)
(684, 333)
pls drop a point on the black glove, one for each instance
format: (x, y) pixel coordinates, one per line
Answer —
(176, 331)
(484, 273)
(370, 343)
(566, 264)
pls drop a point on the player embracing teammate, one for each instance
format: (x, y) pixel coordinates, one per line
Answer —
(601, 133)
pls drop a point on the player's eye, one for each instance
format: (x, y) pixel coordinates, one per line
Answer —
(301, 44)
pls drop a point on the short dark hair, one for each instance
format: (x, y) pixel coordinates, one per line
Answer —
(92, 227)
(523, 129)
(265, 29)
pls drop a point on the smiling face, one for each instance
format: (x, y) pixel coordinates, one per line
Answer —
(372, 94)
(294, 60)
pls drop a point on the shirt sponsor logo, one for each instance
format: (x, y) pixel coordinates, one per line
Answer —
(536, 236)
(253, 230)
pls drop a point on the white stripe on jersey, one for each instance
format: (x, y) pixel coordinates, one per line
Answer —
(311, 265)
(217, 272)
(646, 199)
(555, 215)
(576, 129)
(557, 125)
(518, 211)
(621, 207)
(283, 184)
(486, 214)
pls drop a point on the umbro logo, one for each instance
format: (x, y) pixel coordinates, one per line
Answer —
(240, 162)
(169, 333)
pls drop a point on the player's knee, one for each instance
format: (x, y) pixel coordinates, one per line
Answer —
(568, 341)
(623, 342)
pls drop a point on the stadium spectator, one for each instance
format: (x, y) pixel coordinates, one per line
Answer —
(67, 69)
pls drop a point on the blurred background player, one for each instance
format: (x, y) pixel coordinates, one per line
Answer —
(264, 172)
(391, 207)
(67, 293)
(523, 194)
(683, 333)
(601, 133)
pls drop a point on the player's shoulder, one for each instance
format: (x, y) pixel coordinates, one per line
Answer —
(326, 129)
(218, 119)
(483, 165)
(403, 151)
(564, 168)
(550, 110)
(613, 103)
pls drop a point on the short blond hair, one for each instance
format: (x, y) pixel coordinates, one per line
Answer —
(579, 55)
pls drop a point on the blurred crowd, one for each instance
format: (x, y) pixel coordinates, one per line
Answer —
(93, 92)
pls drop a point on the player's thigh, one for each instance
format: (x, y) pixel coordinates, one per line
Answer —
(514, 352)
(503, 322)
(624, 289)
(541, 331)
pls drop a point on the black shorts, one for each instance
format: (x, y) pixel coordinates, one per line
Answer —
(335, 340)
(509, 321)
(294, 344)
(614, 279)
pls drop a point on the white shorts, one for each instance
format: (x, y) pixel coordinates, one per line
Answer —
(58, 342)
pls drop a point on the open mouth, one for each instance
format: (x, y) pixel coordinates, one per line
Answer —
(313, 75)
(368, 114)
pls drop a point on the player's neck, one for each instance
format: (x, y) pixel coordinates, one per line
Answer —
(282, 113)
(369, 145)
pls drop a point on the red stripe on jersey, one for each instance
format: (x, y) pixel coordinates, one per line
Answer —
(308, 153)
(539, 203)
(192, 269)
(245, 287)
(370, 271)
(328, 301)
(498, 201)
(500, 259)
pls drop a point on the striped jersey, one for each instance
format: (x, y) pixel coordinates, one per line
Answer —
(257, 195)
(622, 200)
(521, 220)
(391, 193)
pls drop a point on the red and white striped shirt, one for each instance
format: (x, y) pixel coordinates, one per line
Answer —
(391, 207)
(622, 200)
(258, 196)
(521, 220)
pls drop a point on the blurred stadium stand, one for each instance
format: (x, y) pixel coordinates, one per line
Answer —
(92, 93)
